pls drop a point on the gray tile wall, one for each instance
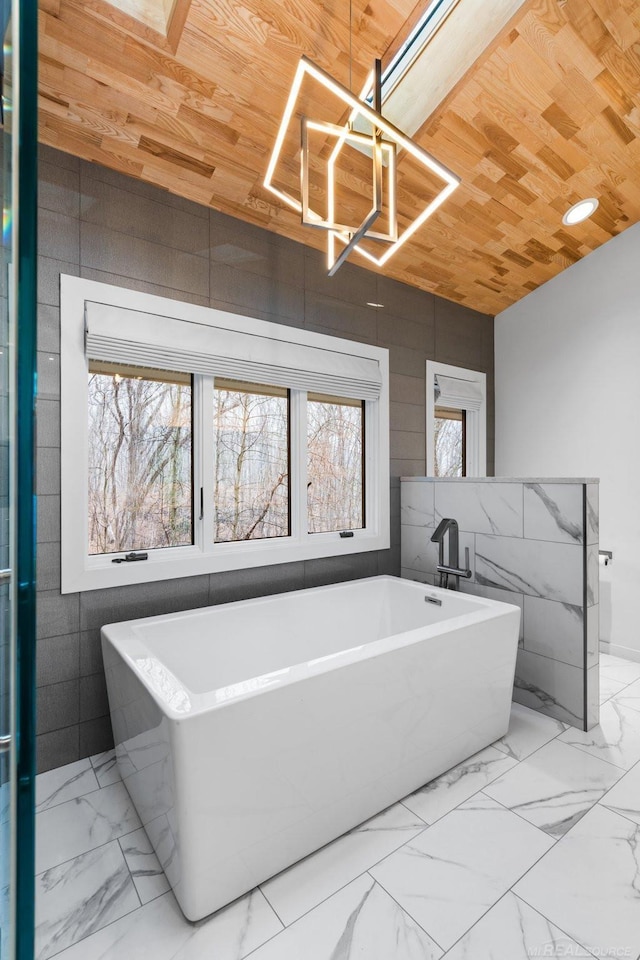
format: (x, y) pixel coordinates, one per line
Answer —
(104, 226)
(532, 544)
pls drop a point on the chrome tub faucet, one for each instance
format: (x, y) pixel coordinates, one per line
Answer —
(452, 568)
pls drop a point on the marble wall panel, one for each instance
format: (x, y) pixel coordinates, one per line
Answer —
(418, 552)
(593, 513)
(417, 507)
(593, 575)
(496, 593)
(593, 635)
(494, 508)
(553, 511)
(538, 568)
(551, 687)
(554, 629)
(532, 546)
(593, 696)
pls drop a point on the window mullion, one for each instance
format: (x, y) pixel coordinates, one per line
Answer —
(298, 464)
(203, 454)
(372, 477)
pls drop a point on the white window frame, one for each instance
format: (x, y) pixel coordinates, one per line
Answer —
(83, 572)
(476, 420)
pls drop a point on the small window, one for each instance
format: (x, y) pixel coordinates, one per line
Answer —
(335, 464)
(140, 478)
(456, 421)
(251, 455)
(449, 443)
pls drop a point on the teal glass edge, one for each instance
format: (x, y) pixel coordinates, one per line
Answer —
(26, 386)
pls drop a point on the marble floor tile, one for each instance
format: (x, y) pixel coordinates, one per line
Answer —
(80, 896)
(629, 695)
(554, 787)
(512, 930)
(125, 759)
(528, 730)
(159, 931)
(64, 783)
(588, 884)
(308, 882)
(360, 922)
(105, 767)
(609, 687)
(148, 875)
(80, 825)
(439, 887)
(450, 875)
(446, 792)
(608, 660)
(624, 797)
(616, 739)
(615, 668)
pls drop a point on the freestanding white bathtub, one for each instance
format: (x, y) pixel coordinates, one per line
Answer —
(252, 733)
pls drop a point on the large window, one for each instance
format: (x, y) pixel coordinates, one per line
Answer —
(195, 441)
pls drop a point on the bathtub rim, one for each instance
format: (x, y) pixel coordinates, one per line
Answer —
(128, 644)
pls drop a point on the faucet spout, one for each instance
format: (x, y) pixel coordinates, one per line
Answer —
(452, 567)
(450, 526)
(441, 529)
(438, 537)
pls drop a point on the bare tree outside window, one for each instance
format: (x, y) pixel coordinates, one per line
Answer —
(449, 437)
(140, 435)
(335, 464)
(251, 482)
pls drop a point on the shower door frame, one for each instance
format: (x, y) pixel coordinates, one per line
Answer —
(22, 345)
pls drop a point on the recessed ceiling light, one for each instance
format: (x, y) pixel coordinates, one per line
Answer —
(370, 304)
(580, 211)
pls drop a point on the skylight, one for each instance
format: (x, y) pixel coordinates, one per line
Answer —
(152, 13)
(446, 42)
(415, 43)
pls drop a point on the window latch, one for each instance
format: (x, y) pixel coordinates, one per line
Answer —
(346, 533)
(130, 557)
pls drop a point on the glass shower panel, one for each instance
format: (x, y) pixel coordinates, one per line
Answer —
(7, 632)
(18, 186)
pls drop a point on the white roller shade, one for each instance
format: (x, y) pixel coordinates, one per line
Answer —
(458, 394)
(120, 335)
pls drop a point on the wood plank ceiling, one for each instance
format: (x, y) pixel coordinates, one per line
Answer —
(550, 114)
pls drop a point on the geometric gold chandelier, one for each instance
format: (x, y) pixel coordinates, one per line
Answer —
(368, 132)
